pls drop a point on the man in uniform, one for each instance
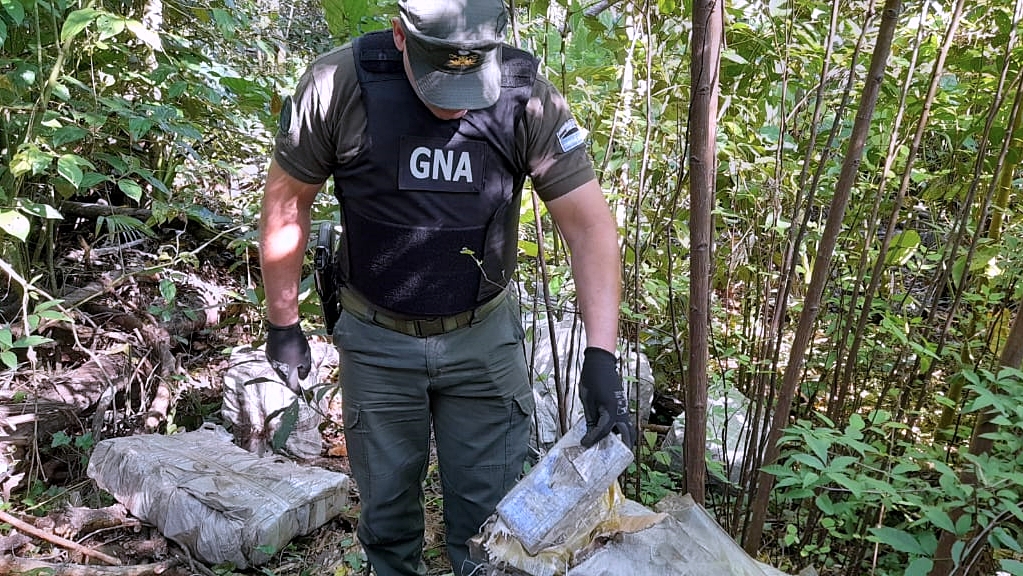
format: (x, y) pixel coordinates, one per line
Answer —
(429, 130)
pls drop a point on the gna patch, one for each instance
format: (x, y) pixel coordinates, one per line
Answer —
(440, 165)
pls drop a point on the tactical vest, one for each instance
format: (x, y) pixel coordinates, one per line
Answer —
(430, 207)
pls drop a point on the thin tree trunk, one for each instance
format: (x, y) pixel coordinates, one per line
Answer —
(821, 267)
(771, 348)
(706, 60)
(1005, 178)
(893, 219)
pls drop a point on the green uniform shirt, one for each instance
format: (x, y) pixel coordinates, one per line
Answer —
(324, 126)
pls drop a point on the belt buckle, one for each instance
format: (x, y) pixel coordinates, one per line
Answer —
(429, 327)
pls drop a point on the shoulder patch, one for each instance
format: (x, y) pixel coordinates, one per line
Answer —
(571, 135)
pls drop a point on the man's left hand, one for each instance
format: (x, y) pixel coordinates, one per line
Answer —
(604, 402)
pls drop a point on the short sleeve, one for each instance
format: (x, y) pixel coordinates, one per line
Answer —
(555, 145)
(322, 124)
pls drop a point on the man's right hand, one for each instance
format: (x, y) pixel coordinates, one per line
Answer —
(288, 352)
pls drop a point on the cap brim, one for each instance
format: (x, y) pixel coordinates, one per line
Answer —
(471, 90)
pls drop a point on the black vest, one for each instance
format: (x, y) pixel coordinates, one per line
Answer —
(430, 207)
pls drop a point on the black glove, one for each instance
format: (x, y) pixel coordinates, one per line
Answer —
(287, 350)
(604, 402)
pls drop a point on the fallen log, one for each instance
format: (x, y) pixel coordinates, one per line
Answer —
(22, 425)
(83, 386)
(72, 521)
(13, 565)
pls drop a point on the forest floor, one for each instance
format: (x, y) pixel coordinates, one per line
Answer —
(147, 339)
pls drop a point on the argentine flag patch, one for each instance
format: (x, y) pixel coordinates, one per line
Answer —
(571, 135)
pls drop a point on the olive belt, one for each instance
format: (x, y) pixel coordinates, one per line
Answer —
(357, 305)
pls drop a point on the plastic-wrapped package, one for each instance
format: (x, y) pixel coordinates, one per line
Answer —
(564, 491)
(568, 517)
(687, 542)
(254, 398)
(223, 503)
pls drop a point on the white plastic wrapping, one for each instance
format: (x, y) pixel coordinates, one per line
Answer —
(564, 492)
(571, 342)
(687, 542)
(223, 503)
(253, 394)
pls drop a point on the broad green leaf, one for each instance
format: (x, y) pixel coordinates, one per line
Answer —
(6, 338)
(30, 160)
(529, 248)
(809, 460)
(810, 479)
(15, 10)
(963, 524)
(77, 21)
(1014, 567)
(334, 13)
(776, 470)
(185, 131)
(919, 567)
(1010, 375)
(31, 340)
(67, 166)
(1014, 509)
(168, 290)
(900, 540)
(15, 223)
(51, 119)
(225, 22)
(939, 518)
(957, 550)
(131, 189)
(820, 447)
(151, 38)
(67, 134)
(9, 359)
(903, 246)
(3, 33)
(60, 438)
(733, 56)
(903, 468)
(855, 426)
(61, 91)
(40, 210)
(109, 26)
(824, 504)
(54, 315)
(1003, 539)
(289, 418)
(139, 127)
(90, 179)
(852, 485)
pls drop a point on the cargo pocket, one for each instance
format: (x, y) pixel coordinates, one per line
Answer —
(519, 431)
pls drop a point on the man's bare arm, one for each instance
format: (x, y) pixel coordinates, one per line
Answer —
(283, 235)
(586, 222)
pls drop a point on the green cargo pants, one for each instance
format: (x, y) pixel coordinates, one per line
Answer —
(472, 386)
